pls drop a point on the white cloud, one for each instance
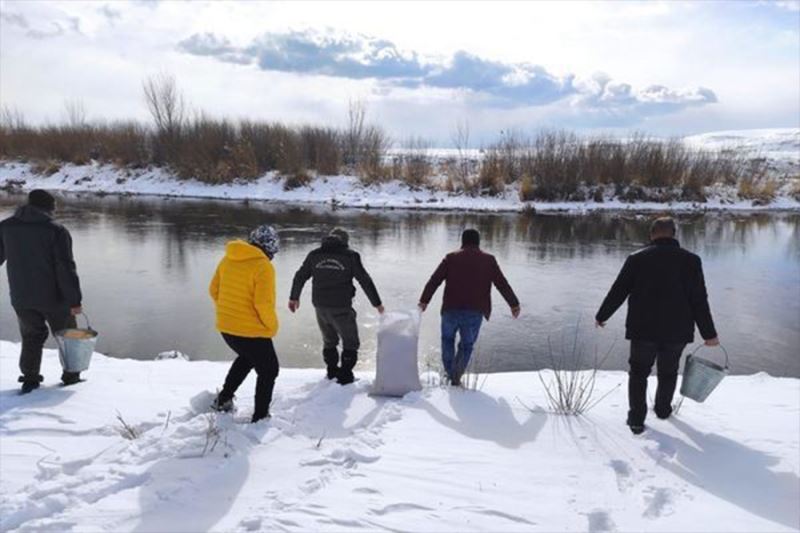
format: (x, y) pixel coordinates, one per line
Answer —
(660, 56)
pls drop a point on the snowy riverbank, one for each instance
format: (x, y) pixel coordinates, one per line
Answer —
(348, 191)
(334, 458)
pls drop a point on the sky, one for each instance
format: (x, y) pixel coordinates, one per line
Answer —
(421, 68)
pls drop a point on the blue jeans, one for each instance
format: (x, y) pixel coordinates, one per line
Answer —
(467, 324)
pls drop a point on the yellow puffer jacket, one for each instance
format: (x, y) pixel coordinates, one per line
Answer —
(243, 290)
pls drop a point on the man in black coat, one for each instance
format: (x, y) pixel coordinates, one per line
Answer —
(333, 267)
(666, 294)
(42, 278)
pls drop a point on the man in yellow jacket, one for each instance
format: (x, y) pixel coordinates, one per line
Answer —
(243, 290)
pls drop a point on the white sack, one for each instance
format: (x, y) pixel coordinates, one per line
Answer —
(397, 372)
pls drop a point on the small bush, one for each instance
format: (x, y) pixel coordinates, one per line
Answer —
(571, 388)
(526, 189)
(45, 168)
(416, 164)
(296, 180)
(760, 191)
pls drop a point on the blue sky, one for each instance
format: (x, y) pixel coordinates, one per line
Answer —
(668, 68)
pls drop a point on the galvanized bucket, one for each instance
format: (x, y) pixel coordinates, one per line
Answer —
(701, 376)
(75, 347)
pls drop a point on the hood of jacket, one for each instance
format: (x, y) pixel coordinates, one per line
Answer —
(32, 215)
(239, 250)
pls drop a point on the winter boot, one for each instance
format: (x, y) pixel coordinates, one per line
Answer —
(70, 378)
(257, 417)
(29, 385)
(663, 413)
(331, 358)
(637, 430)
(222, 406)
(349, 359)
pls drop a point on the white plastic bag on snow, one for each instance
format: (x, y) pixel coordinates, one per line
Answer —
(397, 371)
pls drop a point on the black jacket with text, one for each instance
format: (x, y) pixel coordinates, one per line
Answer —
(41, 268)
(666, 294)
(333, 267)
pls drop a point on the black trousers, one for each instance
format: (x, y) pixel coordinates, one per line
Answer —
(252, 353)
(33, 325)
(667, 357)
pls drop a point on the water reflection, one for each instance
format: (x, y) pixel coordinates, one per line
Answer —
(146, 263)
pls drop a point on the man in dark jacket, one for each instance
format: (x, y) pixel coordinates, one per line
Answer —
(43, 280)
(666, 295)
(468, 275)
(333, 267)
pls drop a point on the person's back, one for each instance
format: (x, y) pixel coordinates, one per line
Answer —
(41, 271)
(43, 281)
(332, 268)
(468, 275)
(666, 294)
(243, 291)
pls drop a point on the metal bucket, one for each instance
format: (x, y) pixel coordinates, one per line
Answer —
(701, 376)
(75, 347)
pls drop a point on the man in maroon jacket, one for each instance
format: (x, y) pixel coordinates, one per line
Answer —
(468, 275)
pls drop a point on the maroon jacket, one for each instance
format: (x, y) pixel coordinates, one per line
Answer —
(468, 275)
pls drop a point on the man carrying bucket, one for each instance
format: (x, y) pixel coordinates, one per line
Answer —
(666, 294)
(44, 285)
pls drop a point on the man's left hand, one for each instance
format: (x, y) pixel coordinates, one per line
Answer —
(515, 311)
(380, 309)
(77, 310)
(599, 324)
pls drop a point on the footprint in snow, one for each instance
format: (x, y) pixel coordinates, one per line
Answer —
(659, 502)
(623, 473)
(600, 521)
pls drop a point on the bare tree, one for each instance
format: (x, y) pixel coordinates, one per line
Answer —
(165, 102)
(75, 111)
(168, 109)
(463, 164)
(354, 135)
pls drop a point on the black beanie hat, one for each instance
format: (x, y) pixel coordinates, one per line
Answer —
(42, 199)
(470, 237)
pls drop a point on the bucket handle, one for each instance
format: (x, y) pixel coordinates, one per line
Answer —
(727, 366)
(86, 318)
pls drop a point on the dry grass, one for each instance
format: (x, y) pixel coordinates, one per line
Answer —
(761, 191)
(571, 388)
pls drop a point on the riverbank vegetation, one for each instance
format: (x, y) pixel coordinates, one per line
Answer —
(548, 166)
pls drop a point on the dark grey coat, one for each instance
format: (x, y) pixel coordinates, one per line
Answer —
(41, 269)
(666, 294)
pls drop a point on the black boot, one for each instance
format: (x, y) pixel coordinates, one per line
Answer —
(29, 384)
(70, 378)
(349, 359)
(331, 358)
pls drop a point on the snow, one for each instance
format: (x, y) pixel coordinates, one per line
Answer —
(336, 459)
(782, 147)
(779, 143)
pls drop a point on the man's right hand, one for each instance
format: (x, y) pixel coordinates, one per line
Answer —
(515, 311)
(712, 342)
(599, 324)
(422, 306)
(294, 305)
(77, 310)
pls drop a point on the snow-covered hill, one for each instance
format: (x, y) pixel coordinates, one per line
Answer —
(336, 459)
(782, 144)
